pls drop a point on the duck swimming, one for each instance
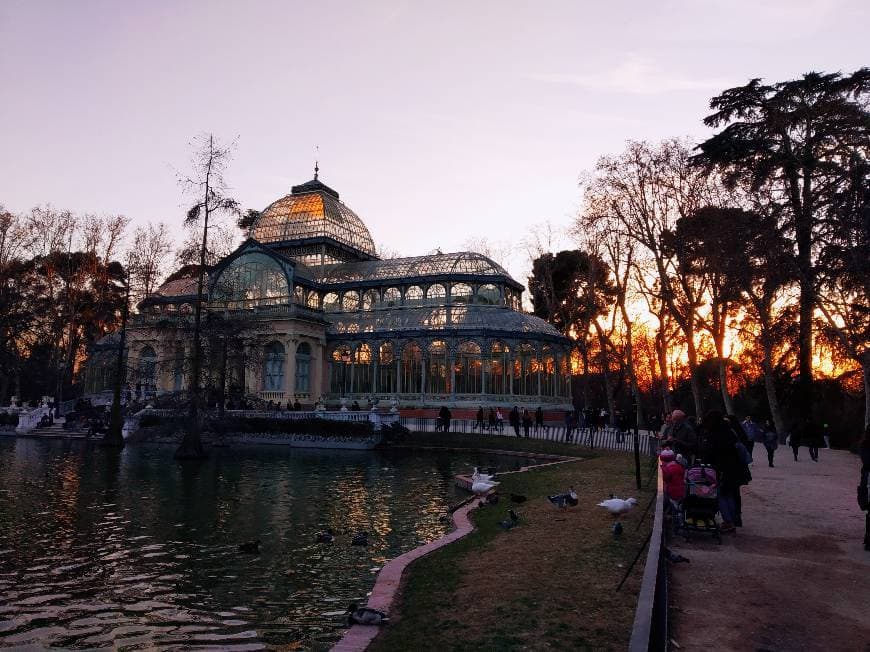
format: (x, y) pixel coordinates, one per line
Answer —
(360, 539)
(326, 536)
(365, 616)
(250, 548)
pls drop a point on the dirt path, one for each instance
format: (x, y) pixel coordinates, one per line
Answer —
(795, 577)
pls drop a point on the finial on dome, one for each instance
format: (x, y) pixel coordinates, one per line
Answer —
(316, 170)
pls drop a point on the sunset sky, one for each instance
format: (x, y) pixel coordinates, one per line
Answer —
(437, 122)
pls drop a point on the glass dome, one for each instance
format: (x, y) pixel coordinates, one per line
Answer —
(313, 210)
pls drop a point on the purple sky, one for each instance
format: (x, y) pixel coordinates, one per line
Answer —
(437, 122)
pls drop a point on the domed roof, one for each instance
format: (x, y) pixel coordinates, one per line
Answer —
(313, 210)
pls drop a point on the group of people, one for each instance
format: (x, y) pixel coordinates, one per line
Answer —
(273, 406)
(494, 420)
(720, 441)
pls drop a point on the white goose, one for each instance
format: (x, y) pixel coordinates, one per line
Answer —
(617, 506)
(477, 476)
(482, 487)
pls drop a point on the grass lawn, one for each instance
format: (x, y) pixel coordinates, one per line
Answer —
(548, 584)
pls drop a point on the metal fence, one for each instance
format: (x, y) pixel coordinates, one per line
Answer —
(607, 438)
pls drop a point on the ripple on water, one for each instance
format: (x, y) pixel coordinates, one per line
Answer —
(156, 565)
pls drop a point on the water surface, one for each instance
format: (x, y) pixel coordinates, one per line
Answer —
(100, 549)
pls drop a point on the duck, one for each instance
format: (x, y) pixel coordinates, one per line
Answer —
(518, 498)
(565, 499)
(250, 548)
(360, 539)
(511, 521)
(357, 615)
(326, 536)
(617, 529)
(617, 506)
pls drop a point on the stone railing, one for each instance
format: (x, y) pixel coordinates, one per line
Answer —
(28, 421)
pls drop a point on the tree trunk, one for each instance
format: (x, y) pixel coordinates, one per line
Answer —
(803, 230)
(662, 355)
(114, 436)
(694, 381)
(605, 370)
(629, 358)
(772, 398)
(222, 394)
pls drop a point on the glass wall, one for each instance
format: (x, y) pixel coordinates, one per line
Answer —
(273, 372)
(499, 370)
(412, 369)
(303, 368)
(362, 370)
(438, 372)
(340, 371)
(252, 279)
(468, 369)
(386, 369)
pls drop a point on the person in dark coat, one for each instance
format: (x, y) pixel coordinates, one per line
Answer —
(527, 422)
(539, 419)
(444, 415)
(864, 484)
(730, 468)
(812, 438)
(514, 420)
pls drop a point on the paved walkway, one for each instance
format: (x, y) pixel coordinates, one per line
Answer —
(795, 577)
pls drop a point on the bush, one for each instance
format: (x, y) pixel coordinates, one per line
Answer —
(8, 419)
(229, 425)
(317, 427)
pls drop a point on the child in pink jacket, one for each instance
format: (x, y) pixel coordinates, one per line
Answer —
(673, 476)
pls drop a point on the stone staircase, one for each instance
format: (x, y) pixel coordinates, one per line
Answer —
(57, 431)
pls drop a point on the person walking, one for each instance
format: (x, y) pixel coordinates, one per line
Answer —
(514, 420)
(479, 421)
(771, 441)
(731, 471)
(499, 420)
(491, 419)
(527, 422)
(444, 416)
(864, 484)
(539, 420)
(753, 433)
(569, 425)
(812, 438)
(794, 440)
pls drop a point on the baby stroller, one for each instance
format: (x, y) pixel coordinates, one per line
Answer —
(701, 503)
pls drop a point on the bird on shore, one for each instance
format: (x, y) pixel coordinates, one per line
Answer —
(565, 499)
(357, 615)
(482, 487)
(617, 506)
(477, 476)
(360, 539)
(510, 522)
(250, 548)
(617, 529)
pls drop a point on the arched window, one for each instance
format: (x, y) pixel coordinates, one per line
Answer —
(498, 381)
(525, 371)
(362, 370)
(565, 375)
(313, 300)
(340, 371)
(299, 295)
(413, 296)
(468, 369)
(392, 297)
(489, 295)
(460, 293)
(330, 302)
(303, 368)
(148, 369)
(178, 368)
(412, 369)
(386, 369)
(185, 308)
(350, 301)
(273, 376)
(548, 373)
(370, 300)
(437, 370)
(435, 294)
(252, 279)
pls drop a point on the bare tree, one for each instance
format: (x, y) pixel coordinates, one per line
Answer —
(147, 258)
(207, 184)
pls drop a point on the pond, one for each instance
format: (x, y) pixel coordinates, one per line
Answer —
(132, 550)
